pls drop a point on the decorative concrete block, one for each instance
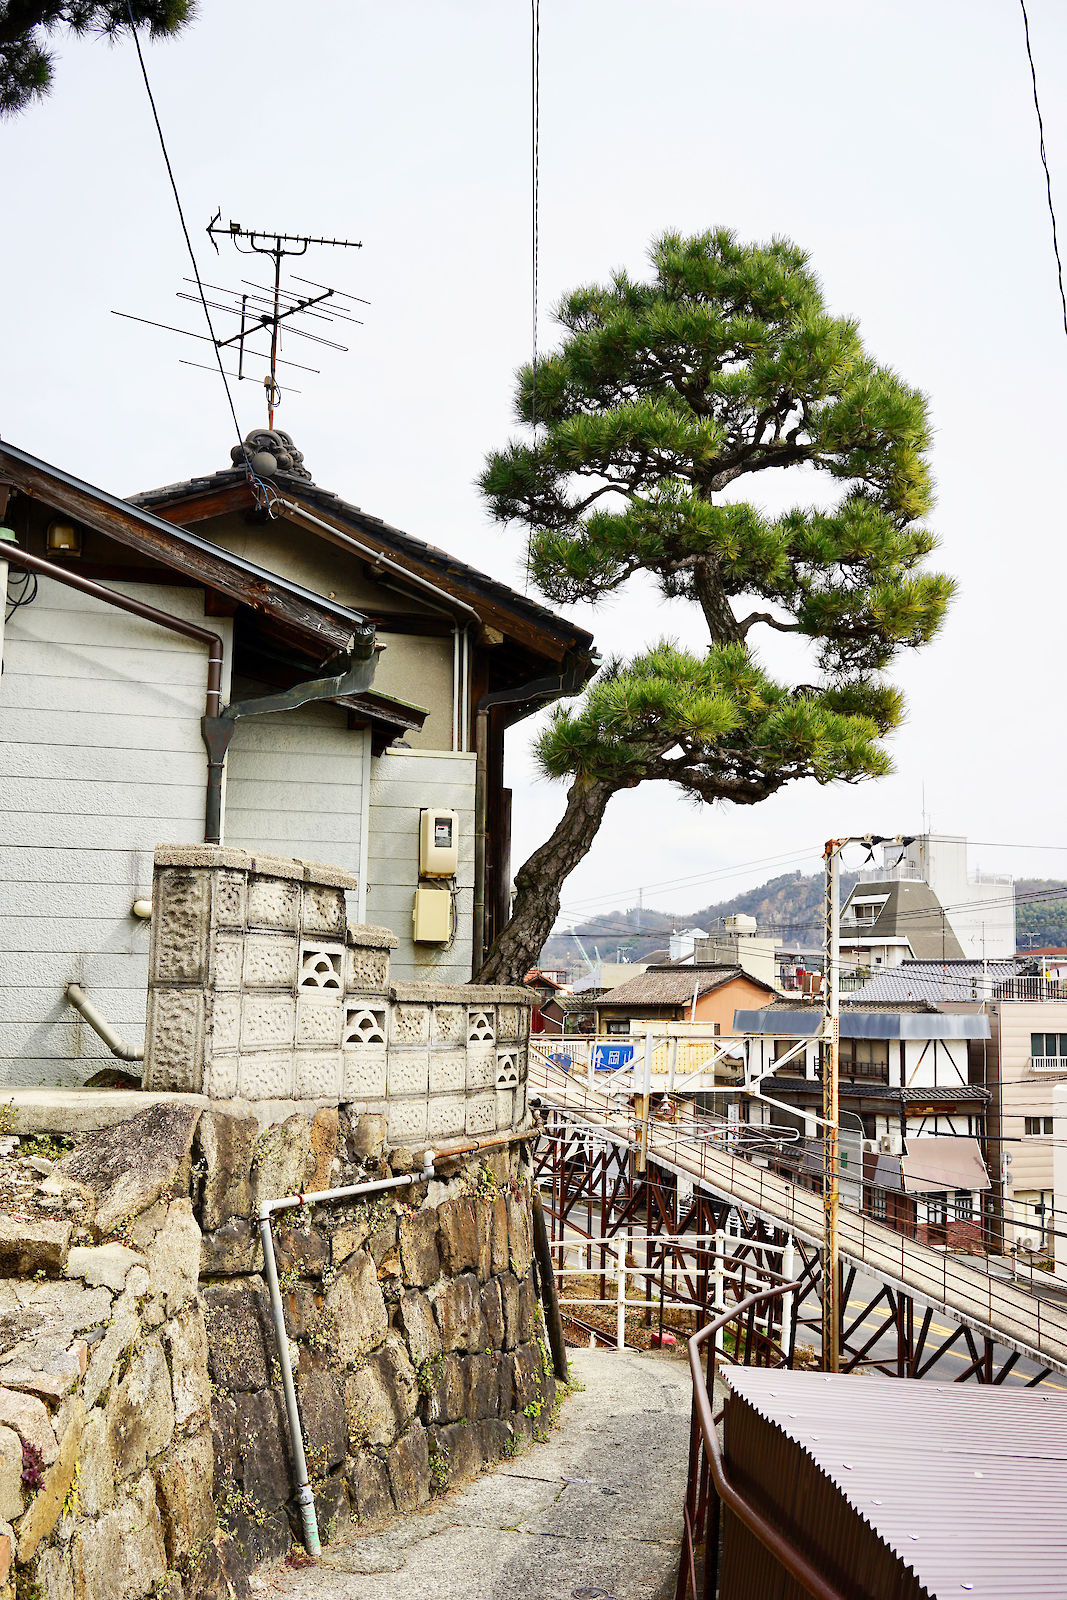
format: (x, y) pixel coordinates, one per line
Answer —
(265, 1076)
(318, 1074)
(363, 1024)
(267, 1020)
(481, 1066)
(225, 1023)
(180, 918)
(522, 1064)
(231, 899)
(367, 969)
(407, 1121)
(447, 1116)
(410, 1024)
(322, 910)
(481, 1025)
(481, 1113)
(408, 1072)
(321, 966)
(448, 1071)
(175, 1053)
(505, 1108)
(220, 1077)
(520, 1104)
(508, 1021)
(319, 1018)
(364, 1072)
(450, 1024)
(227, 962)
(270, 962)
(273, 903)
(507, 1069)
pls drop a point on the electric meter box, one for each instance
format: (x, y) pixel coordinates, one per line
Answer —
(438, 844)
(432, 915)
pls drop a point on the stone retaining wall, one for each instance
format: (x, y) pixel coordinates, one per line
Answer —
(143, 1441)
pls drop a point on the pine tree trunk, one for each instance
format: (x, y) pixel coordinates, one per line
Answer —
(539, 882)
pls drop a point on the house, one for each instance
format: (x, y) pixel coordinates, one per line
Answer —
(923, 903)
(739, 943)
(571, 1013)
(265, 667)
(707, 994)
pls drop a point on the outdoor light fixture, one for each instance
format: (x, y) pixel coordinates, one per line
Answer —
(64, 536)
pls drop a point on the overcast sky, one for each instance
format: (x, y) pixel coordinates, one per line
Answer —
(895, 140)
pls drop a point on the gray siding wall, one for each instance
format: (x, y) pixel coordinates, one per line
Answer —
(402, 783)
(101, 759)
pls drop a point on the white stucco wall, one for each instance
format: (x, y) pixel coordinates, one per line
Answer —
(101, 759)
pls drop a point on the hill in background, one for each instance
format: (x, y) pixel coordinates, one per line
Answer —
(789, 907)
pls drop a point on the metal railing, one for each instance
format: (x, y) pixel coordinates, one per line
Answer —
(1048, 1063)
(709, 1486)
(1032, 988)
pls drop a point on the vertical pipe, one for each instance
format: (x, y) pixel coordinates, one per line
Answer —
(831, 1318)
(620, 1310)
(364, 828)
(305, 1497)
(455, 686)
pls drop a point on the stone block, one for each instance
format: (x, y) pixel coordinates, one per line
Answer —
(481, 1066)
(227, 1454)
(444, 1383)
(408, 1465)
(54, 1576)
(519, 1245)
(325, 1136)
(368, 1137)
(262, 1440)
(224, 1147)
(407, 1121)
(326, 875)
(270, 961)
(124, 1169)
(318, 1075)
(457, 1224)
(27, 1416)
(509, 1294)
(273, 902)
(51, 1387)
(355, 1309)
(409, 1024)
(509, 1021)
(450, 1024)
(351, 1234)
(368, 1481)
(526, 1371)
(458, 1309)
(455, 1445)
(12, 1492)
(122, 1554)
(483, 1232)
(364, 1073)
(446, 1116)
(225, 1024)
(418, 1247)
(528, 1321)
(174, 1048)
(493, 1312)
(491, 1437)
(233, 1249)
(332, 1510)
(322, 1412)
(96, 1467)
(184, 1495)
(416, 1319)
(47, 1504)
(318, 1020)
(33, 1245)
(322, 910)
(268, 1021)
(227, 961)
(185, 1341)
(230, 899)
(237, 1320)
(281, 1160)
(381, 1396)
(140, 1410)
(505, 1382)
(481, 1113)
(366, 971)
(266, 1536)
(501, 1255)
(266, 1075)
(221, 1078)
(383, 1237)
(505, 1110)
(408, 1072)
(174, 1258)
(181, 915)
(448, 1071)
(103, 1265)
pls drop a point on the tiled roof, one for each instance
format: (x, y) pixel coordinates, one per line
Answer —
(672, 986)
(933, 981)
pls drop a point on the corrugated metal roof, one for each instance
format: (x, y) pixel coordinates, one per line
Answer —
(867, 1024)
(965, 1485)
(935, 980)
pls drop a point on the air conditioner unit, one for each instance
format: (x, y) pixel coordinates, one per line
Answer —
(1027, 1241)
(889, 1144)
(870, 1147)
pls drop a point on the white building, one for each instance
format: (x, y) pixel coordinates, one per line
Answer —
(922, 903)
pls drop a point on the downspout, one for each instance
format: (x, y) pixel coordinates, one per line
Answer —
(191, 630)
(78, 998)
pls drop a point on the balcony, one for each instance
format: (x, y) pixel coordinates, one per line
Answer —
(1048, 1064)
(1033, 988)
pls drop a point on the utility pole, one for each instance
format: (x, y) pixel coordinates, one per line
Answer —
(831, 1274)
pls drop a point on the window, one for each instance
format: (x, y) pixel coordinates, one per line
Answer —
(936, 1209)
(1048, 1044)
(964, 1205)
(1037, 1127)
(879, 1202)
(864, 1058)
(621, 1025)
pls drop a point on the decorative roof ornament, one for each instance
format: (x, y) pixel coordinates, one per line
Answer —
(270, 450)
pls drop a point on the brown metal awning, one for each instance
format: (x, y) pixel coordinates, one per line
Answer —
(942, 1162)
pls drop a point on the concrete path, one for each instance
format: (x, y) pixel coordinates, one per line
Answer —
(598, 1508)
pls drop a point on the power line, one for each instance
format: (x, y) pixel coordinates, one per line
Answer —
(694, 878)
(1044, 162)
(535, 186)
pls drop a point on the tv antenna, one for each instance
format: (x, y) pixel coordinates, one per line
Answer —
(262, 308)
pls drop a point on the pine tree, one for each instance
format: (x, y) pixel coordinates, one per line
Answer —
(662, 395)
(26, 64)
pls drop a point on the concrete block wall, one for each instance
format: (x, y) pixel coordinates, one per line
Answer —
(260, 990)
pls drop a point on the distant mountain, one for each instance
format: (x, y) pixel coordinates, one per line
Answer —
(790, 907)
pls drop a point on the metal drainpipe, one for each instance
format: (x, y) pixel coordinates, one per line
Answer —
(305, 1496)
(78, 998)
(138, 608)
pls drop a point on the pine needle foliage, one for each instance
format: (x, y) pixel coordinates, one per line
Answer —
(664, 394)
(27, 64)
